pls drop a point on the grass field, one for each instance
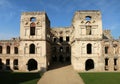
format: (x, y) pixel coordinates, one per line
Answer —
(101, 78)
(19, 78)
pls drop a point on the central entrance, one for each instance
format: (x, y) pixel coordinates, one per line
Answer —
(32, 65)
(89, 64)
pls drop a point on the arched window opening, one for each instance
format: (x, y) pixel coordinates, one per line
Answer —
(32, 65)
(15, 64)
(16, 50)
(61, 49)
(88, 30)
(32, 19)
(0, 49)
(106, 50)
(89, 64)
(1, 64)
(32, 49)
(32, 29)
(106, 63)
(8, 50)
(89, 48)
(88, 18)
(7, 64)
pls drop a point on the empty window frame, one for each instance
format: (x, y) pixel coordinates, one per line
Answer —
(55, 39)
(106, 50)
(32, 29)
(8, 64)
(8, 50)
(33, 19)
(32, 49)
(15, 64)
(88, 18)
(89, 48)
(61, 39)
(16, 50)
(1, 49)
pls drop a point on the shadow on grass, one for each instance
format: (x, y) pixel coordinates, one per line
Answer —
(19, 77)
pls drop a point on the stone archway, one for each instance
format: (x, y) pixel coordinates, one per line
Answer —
(89, 64)
(32, 65)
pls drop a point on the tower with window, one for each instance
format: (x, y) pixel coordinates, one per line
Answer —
(87, 40)
(34, 40)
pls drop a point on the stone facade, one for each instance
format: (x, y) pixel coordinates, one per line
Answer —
(84, 44)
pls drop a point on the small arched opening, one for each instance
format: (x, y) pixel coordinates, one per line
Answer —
(32, 49)
(32, 65)
(89, 48)
(89, 64)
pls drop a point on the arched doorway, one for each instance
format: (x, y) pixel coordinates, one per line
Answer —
(89, 64)
(32, 65)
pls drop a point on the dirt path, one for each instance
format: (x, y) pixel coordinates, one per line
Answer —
(64, 75)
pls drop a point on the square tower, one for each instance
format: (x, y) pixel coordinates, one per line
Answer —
(86, 47)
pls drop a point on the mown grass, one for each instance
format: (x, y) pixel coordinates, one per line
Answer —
(101, 78)
(19, 78)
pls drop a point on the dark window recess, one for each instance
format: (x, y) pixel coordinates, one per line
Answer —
(115, 61)
(32, 49)
(89, 49)
(61, 39)
(67, 39)
(8, 50)
(106, 61)
(55, 40)
(106, 50)
(15, 64)
(8, 62)
(0, 49)
(16, 50)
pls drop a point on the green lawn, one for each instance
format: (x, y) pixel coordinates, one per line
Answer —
(19, 78)
(101, 78)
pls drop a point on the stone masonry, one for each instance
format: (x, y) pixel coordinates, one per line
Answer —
(83, 44)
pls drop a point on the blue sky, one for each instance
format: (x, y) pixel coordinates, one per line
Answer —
(60, 13)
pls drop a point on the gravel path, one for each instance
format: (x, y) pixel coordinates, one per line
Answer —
(64, 75)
